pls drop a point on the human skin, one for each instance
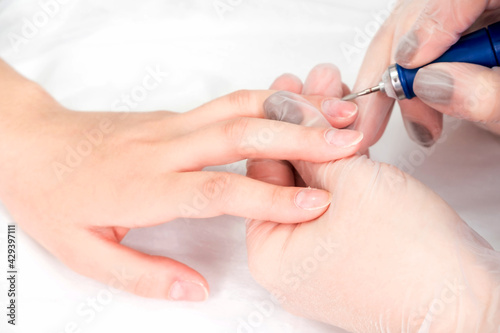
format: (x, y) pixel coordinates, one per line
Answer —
(417, 33)
(77, 182)
(389, 255)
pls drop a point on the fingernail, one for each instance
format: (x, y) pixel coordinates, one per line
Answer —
(312, 199)
(339, 109)
(434, 86)
(420, 134)
(188, 291)
(343, 138)
(407, 49)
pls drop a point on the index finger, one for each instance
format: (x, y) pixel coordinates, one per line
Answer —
(239, 104)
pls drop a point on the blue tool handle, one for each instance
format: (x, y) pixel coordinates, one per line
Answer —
(481, 48)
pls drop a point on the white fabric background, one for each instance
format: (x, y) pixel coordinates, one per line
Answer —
(91, 52)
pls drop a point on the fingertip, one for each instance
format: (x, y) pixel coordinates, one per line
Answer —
(420, 134)
(407, 49)
(311, 199)
(280, 204)
(182, 283)
(343, 138)
(288, 82)
(423, 123)
(140, 274)
(433, 85)
(340, 110)
(324, 80)
(188, 291)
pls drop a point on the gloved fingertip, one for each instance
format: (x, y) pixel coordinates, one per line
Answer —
(284, 106)
(420, 134)
(434, 86)
(407, 49)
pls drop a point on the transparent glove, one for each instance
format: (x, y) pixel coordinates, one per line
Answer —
(417, 33)
(389, 255)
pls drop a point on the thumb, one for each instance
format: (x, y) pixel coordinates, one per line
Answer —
(461, 90)
(440, 24)
(123, 268)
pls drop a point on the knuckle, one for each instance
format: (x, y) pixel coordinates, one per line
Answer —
(217, 188)
(235, 130)
(431, 23)
(144, 285)
(242, 100)
(461, 19)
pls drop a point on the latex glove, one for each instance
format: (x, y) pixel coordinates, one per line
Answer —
(389, 255)
(417, 33)
(77, 182)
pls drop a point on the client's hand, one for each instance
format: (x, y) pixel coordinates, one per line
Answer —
(78, 181)
(389, 255)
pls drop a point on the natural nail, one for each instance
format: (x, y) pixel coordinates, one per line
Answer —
(339, 109)
(420, 134)
(312, 199)
(343, 138)
(434, 86)
(407, 49)
(188, 291)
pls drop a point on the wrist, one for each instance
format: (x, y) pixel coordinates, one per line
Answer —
(24, 110)
(24, 104)
(20, 97)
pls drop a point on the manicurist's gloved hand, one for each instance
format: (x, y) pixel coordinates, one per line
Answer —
(417, 33)
(389, 255)
(77, 182)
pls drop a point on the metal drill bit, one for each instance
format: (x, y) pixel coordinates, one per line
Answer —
(362, 93)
